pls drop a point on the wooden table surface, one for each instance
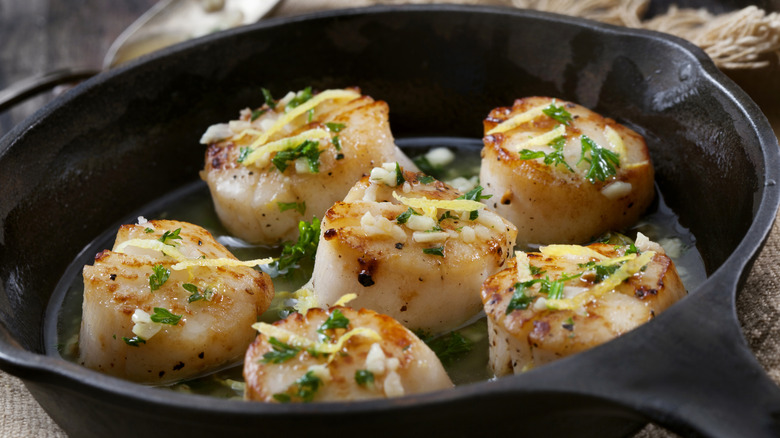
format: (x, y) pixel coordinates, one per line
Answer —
(38, 36)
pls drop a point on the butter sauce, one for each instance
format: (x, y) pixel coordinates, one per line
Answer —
(192, 203)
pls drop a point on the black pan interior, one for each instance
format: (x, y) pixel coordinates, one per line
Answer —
(131, 135)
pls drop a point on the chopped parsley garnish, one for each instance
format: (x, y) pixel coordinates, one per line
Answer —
(281, 352)
(364, 377)
(335, 127)
(269, 100)
(568, 324)
(535, 270)
(168, 237)
(300, 98)
(196, 295)
(337, 144)
(403, 217)
(426, 179)
(605, 271)
(299, 206)
(159, 276)
(554, 288)
(308, 150)
(334, 321)
(243, 153)
(602, 161)
(308, 239)
(519, 299)
(554, 158)
(558, 113)
(425, 166)
(602, 272)
(448, 215)
(632, 249)
(282, 398)
(164, 316)
(148, 230)
(475, 194)
(304, 389)
(256, 114)
(436, 250)
(135, 341)
(450, 347)
(399, 175)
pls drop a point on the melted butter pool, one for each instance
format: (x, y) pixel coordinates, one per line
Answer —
(192, 203)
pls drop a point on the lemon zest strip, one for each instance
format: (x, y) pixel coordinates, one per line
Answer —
(302, 108)
(219, 262)
(430, 206)
(518, 119)
(156, 245)
(543, 139)
(260, 153)
(628, 269)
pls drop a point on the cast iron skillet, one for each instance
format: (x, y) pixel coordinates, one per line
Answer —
(128, 136)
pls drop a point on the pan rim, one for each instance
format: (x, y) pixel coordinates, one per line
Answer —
(26, 363)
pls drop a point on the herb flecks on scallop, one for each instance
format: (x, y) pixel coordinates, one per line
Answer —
(338, 354)
(292, 158)
(562, 173)
(410, 247)
(568, 298)
(168, 305)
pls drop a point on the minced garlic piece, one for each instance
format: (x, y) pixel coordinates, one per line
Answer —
(392, 385)
(616, 190)
(370, 194)
(467, 234)
(381, 226)
(387, 174)
(440, 157)
(428, 237)
(375, 359)
(482, 232)
(491, 220)
(143, 326)
(420, 223)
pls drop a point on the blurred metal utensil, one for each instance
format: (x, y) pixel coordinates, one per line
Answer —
(167, 22)
(173, 21)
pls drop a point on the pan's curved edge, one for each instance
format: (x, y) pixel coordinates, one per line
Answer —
(25, 364)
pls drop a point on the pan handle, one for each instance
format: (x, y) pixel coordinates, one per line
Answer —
(697, 377)
(25, 89)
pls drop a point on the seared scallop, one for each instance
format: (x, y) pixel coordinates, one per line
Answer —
(562, 173)
(167, 303)
(568, 298)
(410, 247)
(292, 159)
(339, 354)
